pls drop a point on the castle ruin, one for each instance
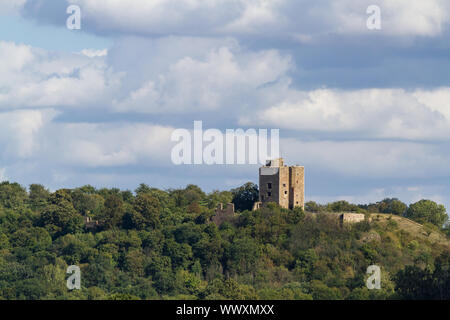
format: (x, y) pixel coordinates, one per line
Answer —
(281, 184)
(223, 214)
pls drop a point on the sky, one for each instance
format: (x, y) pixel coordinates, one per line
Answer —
(366, 111)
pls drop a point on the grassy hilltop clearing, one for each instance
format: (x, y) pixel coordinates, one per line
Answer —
(156, 244)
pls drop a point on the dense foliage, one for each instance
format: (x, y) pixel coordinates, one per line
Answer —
(155, 244)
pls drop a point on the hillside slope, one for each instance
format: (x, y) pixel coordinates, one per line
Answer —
(414, 228)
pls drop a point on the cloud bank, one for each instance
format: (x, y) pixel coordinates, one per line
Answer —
(366, 112)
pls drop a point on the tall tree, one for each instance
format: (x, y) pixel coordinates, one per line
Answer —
(113, 211)
(427, 211)
(245, 196)
(59, 217)
(38, 196)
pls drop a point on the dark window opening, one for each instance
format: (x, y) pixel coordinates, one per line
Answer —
(269, 185)
(269, 194)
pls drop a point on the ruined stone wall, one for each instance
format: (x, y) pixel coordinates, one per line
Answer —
(352, 217)
(297, 187)
(283, 188)
(223, 214)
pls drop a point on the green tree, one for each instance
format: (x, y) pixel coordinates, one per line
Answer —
(427, 211)
(87, 204)
(245, 196)
(219, 289)
(413, 283)
(143, 188)
(321, 291)
(342, 206)
(38, 197)
(12, 195)
(392, 205)
(242, 256)
(60, 217)
(441, 276)
(149, 208)
(312, 206)
(113, 211)
(216, 197)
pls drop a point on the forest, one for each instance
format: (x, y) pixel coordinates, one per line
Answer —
(162, 244)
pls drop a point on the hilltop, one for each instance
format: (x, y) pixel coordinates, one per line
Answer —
(163, 244)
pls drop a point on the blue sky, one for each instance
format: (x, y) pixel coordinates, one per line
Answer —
(50, 37)
(367, 112)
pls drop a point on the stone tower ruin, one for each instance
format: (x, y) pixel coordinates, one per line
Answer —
(281, 184)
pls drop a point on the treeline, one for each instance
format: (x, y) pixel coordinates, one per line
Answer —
(425, 212)
(161, 244)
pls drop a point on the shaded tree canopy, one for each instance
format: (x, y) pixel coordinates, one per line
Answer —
(245, 196)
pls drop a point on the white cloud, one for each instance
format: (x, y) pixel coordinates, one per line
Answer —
(92, 53)
(424, 18)
(193, 84)
(262, 17)
(11, 6)
(16, 56)
(436, 100)
(369, 113)
(223, 78)
(398, 17)
(37, 78)
(19, 132)
(212, 75)
(215, 75)
(255, 15)
(370, 159)
(160, 16)
(106, 145)
(36, 147)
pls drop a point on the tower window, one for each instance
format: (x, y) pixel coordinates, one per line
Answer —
(284, 184)
(285, 192)
(269, 194)
(269, 185)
